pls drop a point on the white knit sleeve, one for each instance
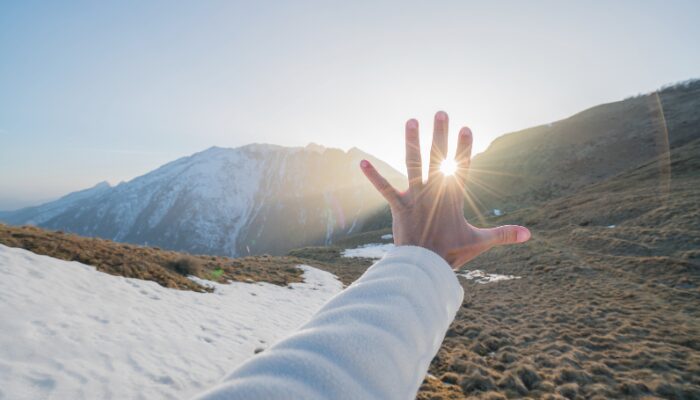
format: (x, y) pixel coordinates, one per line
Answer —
(374, 340)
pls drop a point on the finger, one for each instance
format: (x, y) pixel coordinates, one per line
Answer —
(506, 234)
(413, 161)
(438, 150)
(380, 183)
(464, 153)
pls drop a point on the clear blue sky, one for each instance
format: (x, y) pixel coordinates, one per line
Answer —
(93, 91)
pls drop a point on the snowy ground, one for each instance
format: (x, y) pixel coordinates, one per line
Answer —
(377, 251)
(371, 250)
(480, 276)
(70, 332)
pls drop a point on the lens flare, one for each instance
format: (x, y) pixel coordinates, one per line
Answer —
(448, 167)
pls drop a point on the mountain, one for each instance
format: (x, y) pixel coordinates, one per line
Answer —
(542, 163)
(548, 161)
(39, 214)
(253, 199)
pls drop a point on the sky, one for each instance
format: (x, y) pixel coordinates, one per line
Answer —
(94, 91)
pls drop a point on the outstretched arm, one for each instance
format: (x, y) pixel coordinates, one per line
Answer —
(375, 340)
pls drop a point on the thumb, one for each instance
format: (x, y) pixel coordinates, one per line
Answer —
(506, 234)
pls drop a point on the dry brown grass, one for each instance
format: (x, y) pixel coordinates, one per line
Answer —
(578, 326)
(168, 268)
(330, 259)
(186, 266)
(600, 313)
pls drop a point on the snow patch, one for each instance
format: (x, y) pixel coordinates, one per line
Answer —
(387, 236)
(479, 276)
(378, 250)
(68, 331)
(371, 250)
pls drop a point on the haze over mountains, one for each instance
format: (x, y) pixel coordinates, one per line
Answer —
(249, 200)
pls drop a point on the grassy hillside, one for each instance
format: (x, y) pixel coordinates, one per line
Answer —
(608, 304)
(168, 268)
(545, 162)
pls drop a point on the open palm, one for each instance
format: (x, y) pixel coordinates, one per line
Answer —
(431, 214)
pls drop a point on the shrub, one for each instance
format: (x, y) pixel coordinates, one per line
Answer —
(216, 274)
(450, 377)
(185, 266)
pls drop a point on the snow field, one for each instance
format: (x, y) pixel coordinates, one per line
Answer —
(68, 331)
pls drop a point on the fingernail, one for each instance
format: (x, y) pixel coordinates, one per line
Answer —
(412, 124)
(523, 235)
(441, 116)
(364, 163)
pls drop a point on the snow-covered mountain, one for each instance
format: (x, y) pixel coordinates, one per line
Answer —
(39, 214)
(249, 200)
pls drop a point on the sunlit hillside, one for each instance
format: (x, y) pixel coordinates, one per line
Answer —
(545, 162)
(606, 301)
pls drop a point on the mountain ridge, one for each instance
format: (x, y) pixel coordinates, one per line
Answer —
(540, 163)
(225, 201)
(299, 188)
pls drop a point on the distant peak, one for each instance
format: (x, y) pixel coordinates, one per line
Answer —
(213, 149)
(357, 153)
(103, 184)
(262, 146)
(314, 147)
(208, 152)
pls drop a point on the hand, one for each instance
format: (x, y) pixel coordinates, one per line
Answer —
(431, 214)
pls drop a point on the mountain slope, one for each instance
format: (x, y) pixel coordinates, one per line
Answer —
(42, 213)
(548, 161)
(248, 200)
(607, 304)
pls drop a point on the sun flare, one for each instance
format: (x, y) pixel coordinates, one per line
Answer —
(448, 167)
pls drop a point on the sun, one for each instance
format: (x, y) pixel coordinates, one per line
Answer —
(448, 167)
